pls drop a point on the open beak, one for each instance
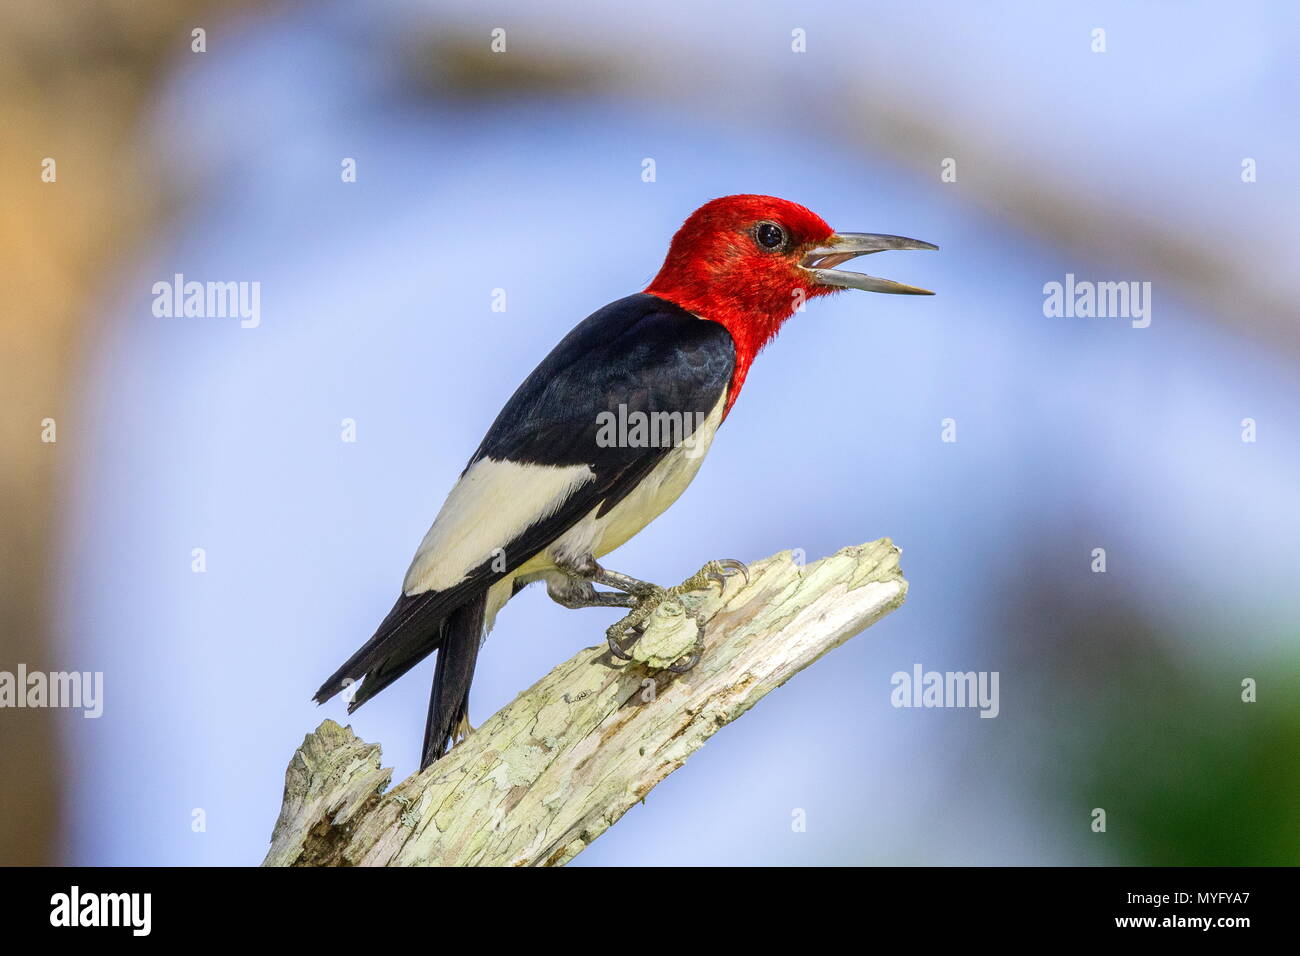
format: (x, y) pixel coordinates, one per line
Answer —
(843, 246)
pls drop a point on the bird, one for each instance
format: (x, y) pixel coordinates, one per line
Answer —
(573, 466)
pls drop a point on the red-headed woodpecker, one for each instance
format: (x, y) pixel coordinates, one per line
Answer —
(602, 437)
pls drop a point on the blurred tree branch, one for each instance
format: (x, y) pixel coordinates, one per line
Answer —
(75, 80)
(877, 112)
(554, 769)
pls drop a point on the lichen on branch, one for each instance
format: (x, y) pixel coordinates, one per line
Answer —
(551, 771)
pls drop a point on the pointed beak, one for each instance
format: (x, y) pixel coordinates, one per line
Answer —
(820, 263)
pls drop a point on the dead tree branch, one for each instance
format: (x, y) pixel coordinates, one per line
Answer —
(554, 769)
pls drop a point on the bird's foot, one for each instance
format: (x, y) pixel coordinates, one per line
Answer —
(715, 572)
(626, 632)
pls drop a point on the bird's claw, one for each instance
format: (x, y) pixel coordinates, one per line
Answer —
(615, 644)
(633, 624)
(650, 596)
(725, 568)
(682, 666)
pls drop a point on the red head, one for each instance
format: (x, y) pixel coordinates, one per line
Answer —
(748, 262)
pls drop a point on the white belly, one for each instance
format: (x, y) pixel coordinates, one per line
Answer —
(597, 536)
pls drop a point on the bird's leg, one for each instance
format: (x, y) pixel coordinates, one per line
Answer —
(649, 596)
(573, 592)
(625, 583)
(586, 570)
(579, 591)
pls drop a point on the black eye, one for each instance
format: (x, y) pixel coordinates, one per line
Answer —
(769, 235)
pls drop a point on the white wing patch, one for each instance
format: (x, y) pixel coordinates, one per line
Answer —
(488, 508)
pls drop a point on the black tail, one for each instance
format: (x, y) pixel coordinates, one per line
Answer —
(461, 635)
(412, 631)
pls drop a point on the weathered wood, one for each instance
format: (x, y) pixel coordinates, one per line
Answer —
(554, 769)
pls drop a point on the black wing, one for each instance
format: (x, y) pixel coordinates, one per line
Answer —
(642, 353)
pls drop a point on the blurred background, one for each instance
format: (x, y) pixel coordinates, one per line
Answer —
(1166, 156)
